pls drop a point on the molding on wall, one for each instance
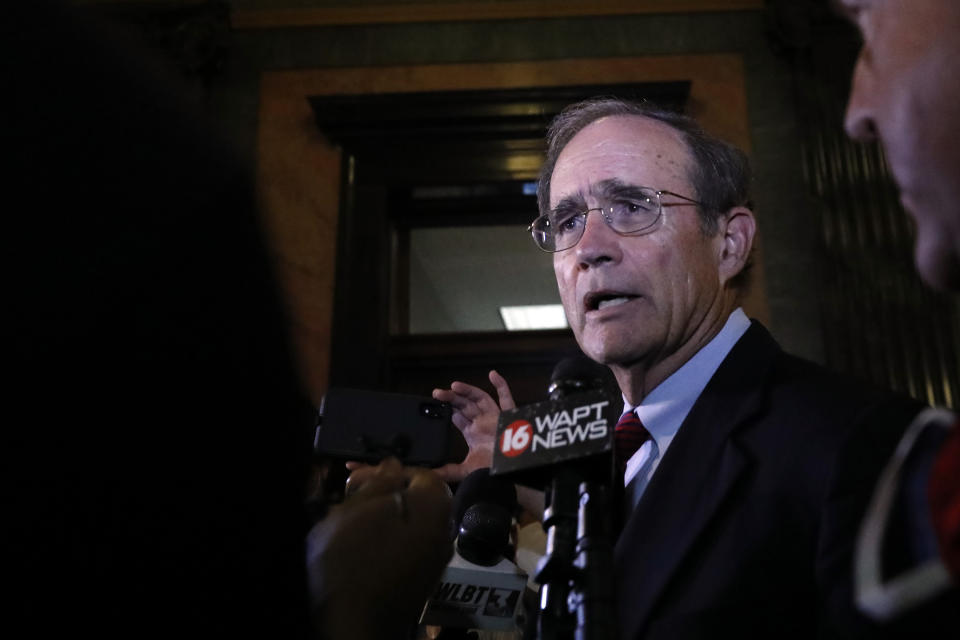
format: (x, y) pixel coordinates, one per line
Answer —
(471, 11)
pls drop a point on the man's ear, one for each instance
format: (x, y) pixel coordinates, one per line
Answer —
(737, 229)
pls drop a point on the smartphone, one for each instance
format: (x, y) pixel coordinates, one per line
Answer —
(367, 426)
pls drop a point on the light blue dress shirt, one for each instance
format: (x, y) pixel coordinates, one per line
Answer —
(665, 408)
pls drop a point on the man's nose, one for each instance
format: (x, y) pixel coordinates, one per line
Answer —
(599, 243)
(858, 121)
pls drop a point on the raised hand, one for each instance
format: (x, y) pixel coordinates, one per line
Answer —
(475, 413)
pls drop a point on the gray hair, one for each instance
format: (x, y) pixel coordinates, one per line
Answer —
(720, 173)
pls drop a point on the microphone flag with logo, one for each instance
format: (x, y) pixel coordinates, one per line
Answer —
(575, 425)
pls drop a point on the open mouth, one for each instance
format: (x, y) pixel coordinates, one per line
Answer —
(603, 300)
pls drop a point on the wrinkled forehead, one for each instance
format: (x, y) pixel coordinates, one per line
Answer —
(631, 150)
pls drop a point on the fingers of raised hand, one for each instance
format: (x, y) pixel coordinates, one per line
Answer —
(468, 392)
(444, 395)
(503, 391)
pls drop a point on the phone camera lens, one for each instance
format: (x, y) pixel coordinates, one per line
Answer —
(429, 411)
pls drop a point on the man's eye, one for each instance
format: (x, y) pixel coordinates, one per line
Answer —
(566, 222)
(633, 207)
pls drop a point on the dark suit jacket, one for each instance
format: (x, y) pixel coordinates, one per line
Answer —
(747, 527)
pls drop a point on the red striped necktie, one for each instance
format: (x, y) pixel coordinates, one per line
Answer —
(628, 436)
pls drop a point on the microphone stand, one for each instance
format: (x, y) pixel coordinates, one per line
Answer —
(576, 592)
(576, 573)
(556, 570)
(593, 593)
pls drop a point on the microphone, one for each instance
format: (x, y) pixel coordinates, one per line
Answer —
(565, 446)
(574, 426)
(480, 487)
(481, 587)
(577, 374)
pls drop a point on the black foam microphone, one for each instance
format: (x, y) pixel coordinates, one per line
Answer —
(480, 487)
(484, 536)
(578, 374)
(575, 425)
(481, 587)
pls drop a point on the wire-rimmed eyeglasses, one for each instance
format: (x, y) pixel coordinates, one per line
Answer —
(563, 227)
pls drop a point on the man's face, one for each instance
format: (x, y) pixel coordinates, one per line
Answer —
(906, 91)
(637, 298)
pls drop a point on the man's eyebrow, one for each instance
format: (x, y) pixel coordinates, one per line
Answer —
(613, 188)
(609, 189)
(575, 202)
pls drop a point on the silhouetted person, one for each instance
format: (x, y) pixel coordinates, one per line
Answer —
(160, 439)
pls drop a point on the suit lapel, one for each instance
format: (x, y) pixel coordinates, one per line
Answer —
(697, 473)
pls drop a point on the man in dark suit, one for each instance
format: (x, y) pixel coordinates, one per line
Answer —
(746, 470)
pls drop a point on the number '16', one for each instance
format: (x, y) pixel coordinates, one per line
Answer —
(516, 438)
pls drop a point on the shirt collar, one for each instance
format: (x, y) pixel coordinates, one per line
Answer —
(665, 408)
